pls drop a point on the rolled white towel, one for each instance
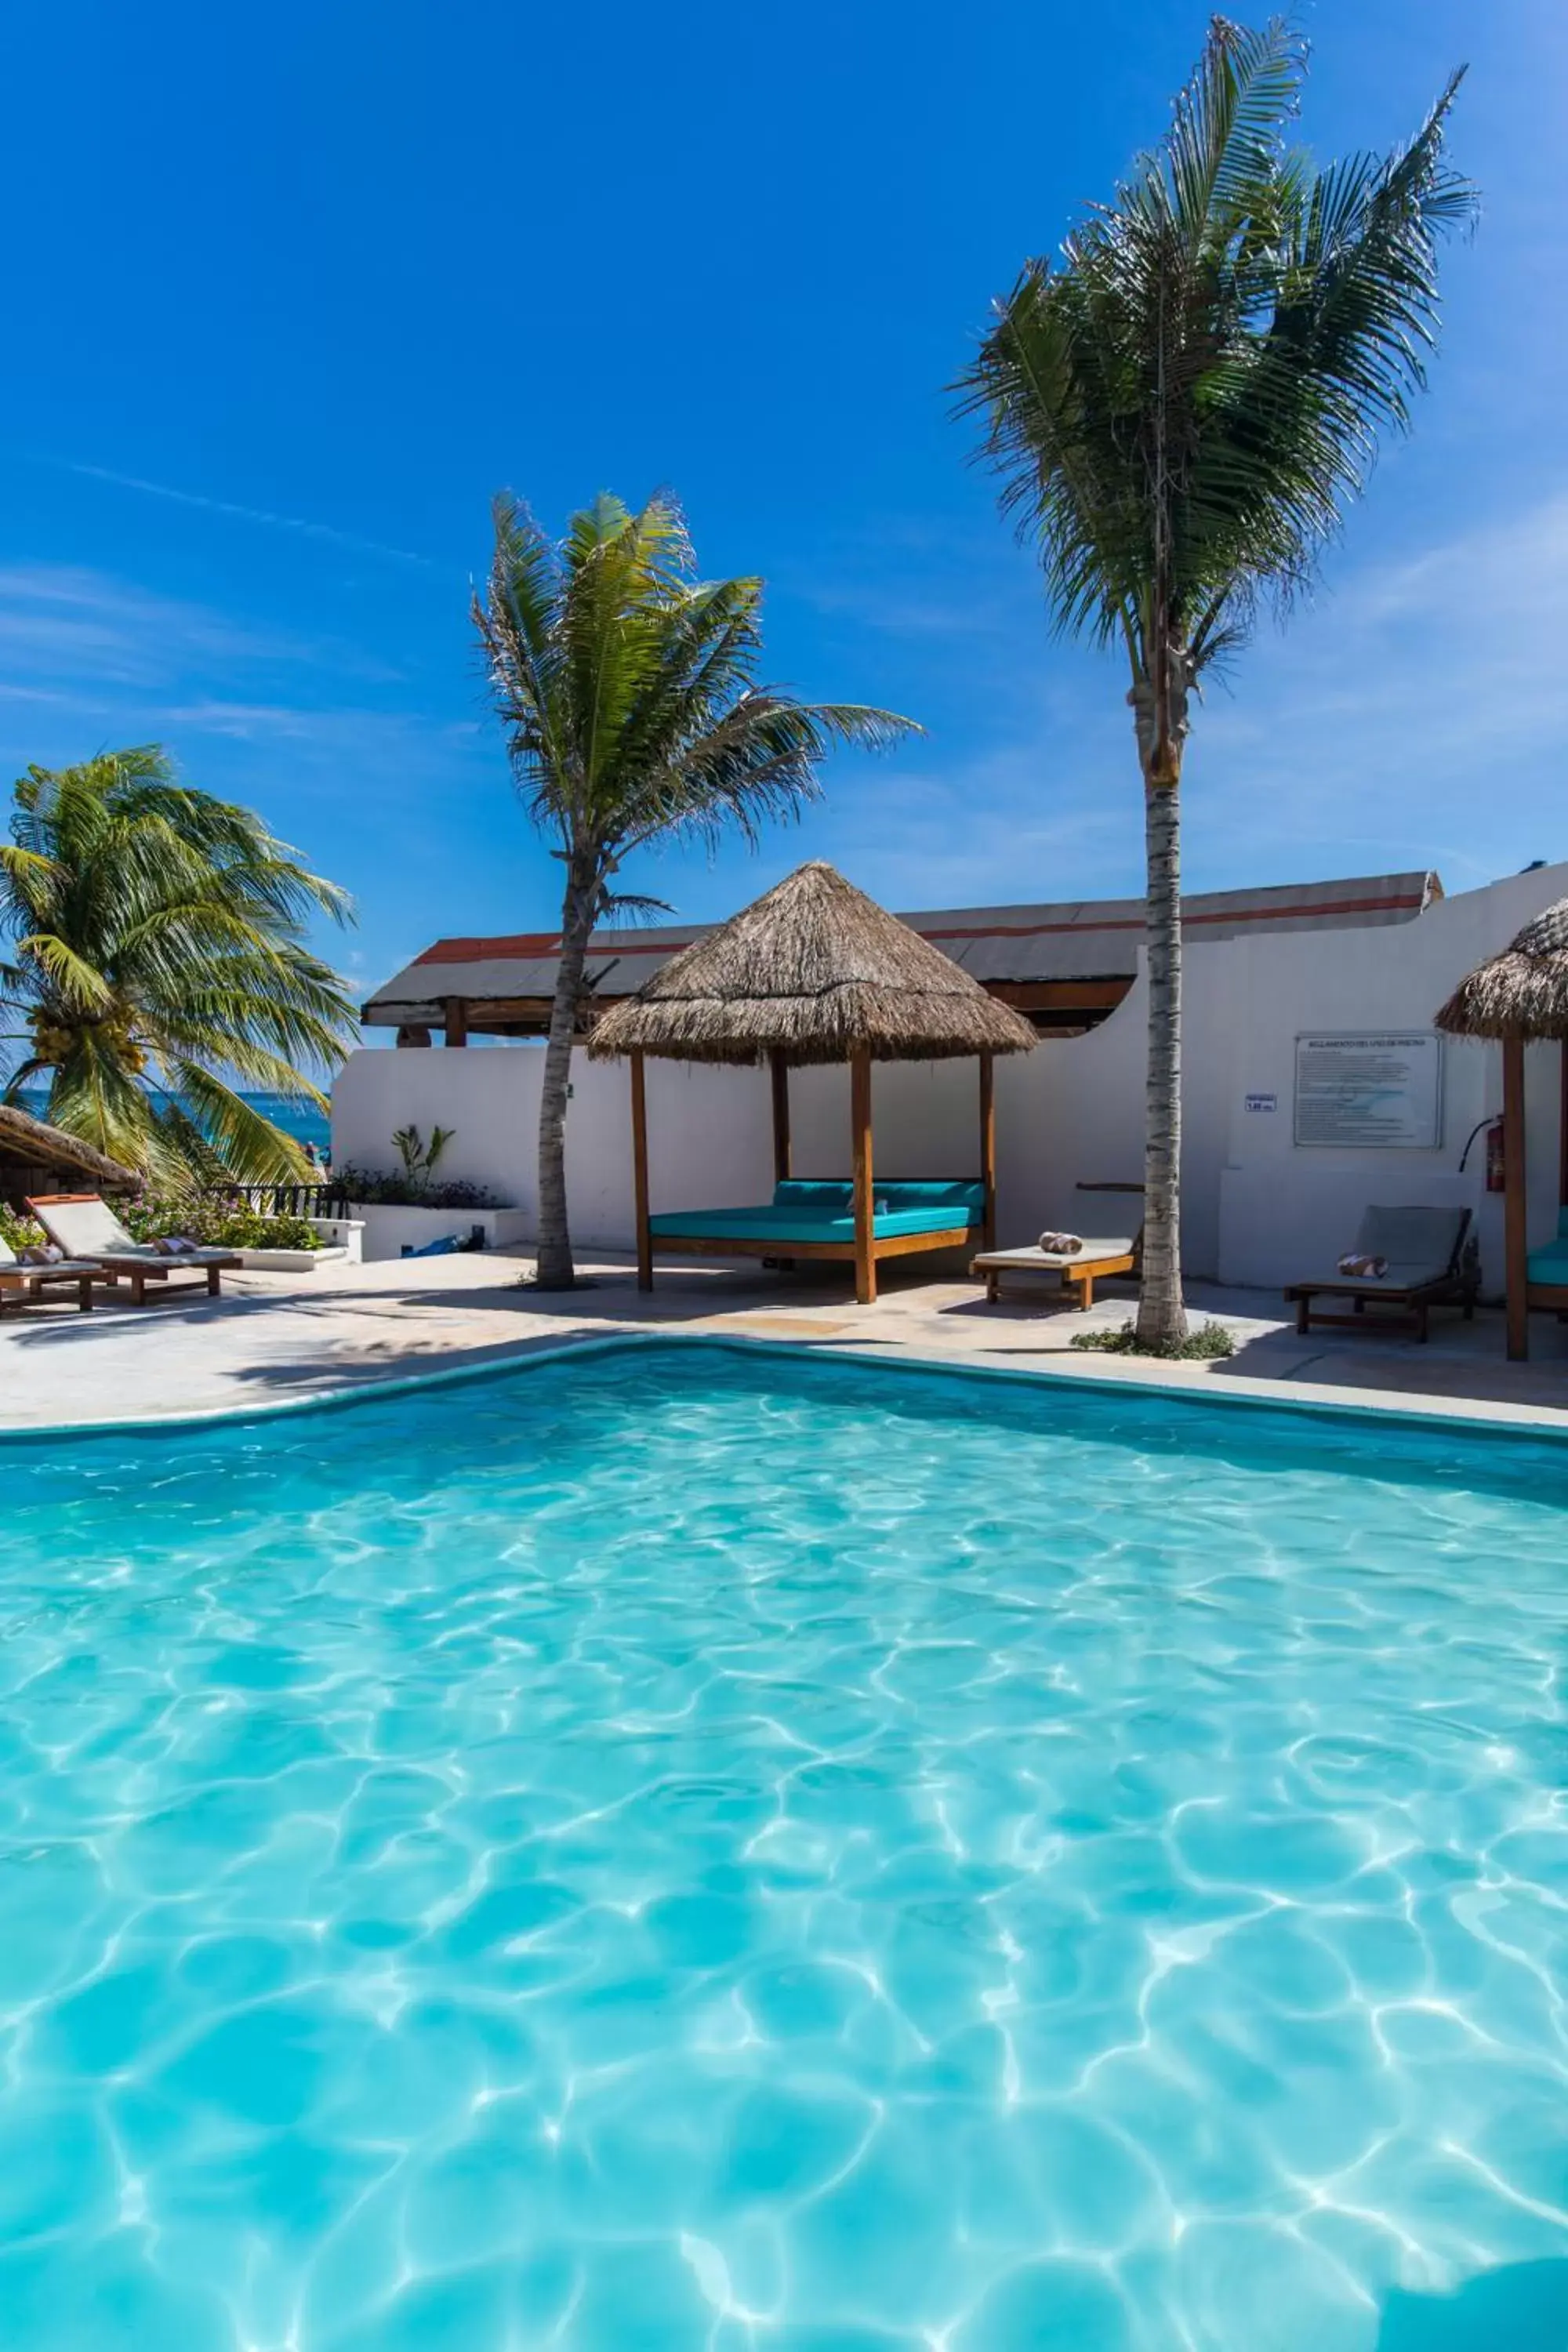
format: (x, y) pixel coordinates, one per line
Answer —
(1361, 1266)
(1060, 1245)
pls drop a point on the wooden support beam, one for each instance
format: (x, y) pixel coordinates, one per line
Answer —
(988, 1146)
(1516, 1238)
(639, 1174)
(860, 1132)
(1562, 1131)
(456, 1021)
(1100, 996)
(783, 1166)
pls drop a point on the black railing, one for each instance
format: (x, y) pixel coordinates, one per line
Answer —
(326, 1198)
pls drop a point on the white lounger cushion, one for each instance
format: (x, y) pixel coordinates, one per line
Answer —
(11, 1264)
(90, 1229)
(1090, 1254)
(1418, 1244)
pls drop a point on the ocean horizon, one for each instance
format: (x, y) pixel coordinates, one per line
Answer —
(301, 1120)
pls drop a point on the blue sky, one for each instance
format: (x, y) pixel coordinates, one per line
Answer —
(292, 292)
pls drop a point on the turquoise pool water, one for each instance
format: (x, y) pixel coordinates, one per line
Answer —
(705, 1850)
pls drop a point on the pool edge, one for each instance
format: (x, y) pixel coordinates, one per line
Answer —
(1454, 1419)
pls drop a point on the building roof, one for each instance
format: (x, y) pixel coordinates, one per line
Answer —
(30, 1142)
(815, 970)
(1523, 991)
(1077, 940)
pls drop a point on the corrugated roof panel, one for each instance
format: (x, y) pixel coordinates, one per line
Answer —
(1077, 940)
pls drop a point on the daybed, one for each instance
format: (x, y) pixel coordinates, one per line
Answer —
(815, 1219)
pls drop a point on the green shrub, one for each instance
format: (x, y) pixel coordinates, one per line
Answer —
(364, 1186)
(248, 1229)
(1209, 1340)
(149, 1215)
(19, 1231)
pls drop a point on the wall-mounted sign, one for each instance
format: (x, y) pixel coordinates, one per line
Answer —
(1262, 1102)
(1379, 1089)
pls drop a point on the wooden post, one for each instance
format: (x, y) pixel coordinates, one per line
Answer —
(988, 1146)
(639, 1174)
(1562, 1131)
(860, 1126)
(457, 1022)
(782, 1160)
(1516, 1241)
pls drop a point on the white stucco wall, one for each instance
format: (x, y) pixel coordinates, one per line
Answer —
(1257, 1207)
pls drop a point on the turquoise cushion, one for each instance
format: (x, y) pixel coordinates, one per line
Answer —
(836, 1197)
(1549, 1264)
(771, 1224)
(831, 1197)
(933, 1192)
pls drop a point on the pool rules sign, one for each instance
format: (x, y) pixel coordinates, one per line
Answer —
(1380, 1089)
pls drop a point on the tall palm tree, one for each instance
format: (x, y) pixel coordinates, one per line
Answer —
(626, 689)
(1180, 408)
(156, 957)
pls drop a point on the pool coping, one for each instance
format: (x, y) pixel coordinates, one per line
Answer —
(1474, 1418)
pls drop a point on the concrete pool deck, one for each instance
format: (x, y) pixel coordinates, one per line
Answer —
(280, 1339)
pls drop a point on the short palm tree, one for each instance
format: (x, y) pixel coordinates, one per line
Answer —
(626, 689)
(1181, 408)
(157, 965)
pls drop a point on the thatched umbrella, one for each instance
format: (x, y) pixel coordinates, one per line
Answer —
(1520, 997)
(813, 971)
(37, 1157)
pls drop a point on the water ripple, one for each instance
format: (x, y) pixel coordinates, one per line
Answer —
(698, 1852)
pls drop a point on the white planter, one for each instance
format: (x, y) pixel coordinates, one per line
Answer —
(291, 1261)
(343, 1233)
(391, 1232)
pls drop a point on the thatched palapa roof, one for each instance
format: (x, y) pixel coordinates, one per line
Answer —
(815, 971)
(34, 1143)
(1523, 992)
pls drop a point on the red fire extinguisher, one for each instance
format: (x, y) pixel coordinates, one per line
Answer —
(1496, 1154)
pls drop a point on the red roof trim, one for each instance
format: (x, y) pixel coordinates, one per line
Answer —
(537, 944)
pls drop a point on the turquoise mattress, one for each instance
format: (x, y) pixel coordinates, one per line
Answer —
(804, 1210)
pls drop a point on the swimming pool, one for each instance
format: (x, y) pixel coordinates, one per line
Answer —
(698, 1848)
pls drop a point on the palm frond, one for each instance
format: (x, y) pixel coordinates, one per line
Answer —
(174, 944)
(1179, 412)
(626, 687)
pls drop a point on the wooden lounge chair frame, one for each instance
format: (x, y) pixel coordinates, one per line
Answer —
(1077, 1276)
(1412, 1302)
(25, 1282)
(111, 1268)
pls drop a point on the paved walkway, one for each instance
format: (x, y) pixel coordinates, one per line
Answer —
(275, 1339)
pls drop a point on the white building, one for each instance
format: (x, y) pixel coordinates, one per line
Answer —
(1315, 1081)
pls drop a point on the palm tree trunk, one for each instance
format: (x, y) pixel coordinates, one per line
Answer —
(1162, 1313)
(555, 1270)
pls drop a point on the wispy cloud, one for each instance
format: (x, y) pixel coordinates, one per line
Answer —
(1426, 704)
(1413, 714)
(299, 525)
(68, 625)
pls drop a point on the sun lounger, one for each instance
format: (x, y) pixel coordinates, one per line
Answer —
(1424, 1249)
(87, 1227)
(25, 1282)
(1076, 1272)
